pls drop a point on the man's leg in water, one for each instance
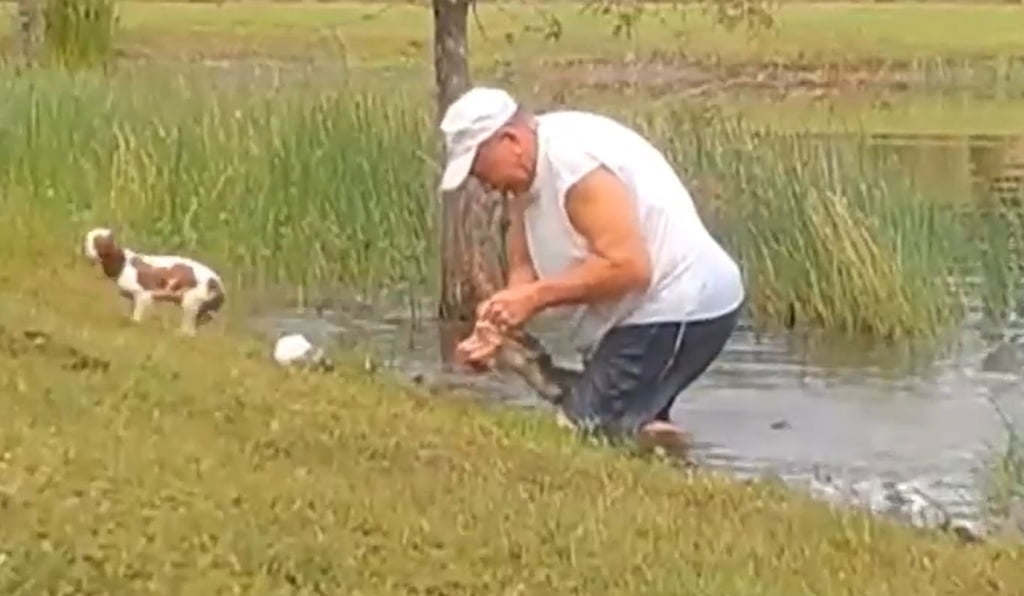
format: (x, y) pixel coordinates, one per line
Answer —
(702, 343)
(628, 387)
(615, 394)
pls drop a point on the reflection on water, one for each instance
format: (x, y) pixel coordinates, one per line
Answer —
(958, 168)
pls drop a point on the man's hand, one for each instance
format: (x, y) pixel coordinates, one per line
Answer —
(512, 307)
(478, 349)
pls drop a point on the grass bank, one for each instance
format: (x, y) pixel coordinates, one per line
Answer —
(139, 462)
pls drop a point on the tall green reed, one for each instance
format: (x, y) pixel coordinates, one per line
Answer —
(323, 185)
(829, 236)
(306, 186)
(996, 226)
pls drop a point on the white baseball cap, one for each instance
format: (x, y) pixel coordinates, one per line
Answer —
(469, 121)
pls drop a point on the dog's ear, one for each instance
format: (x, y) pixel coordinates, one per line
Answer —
(105, 244)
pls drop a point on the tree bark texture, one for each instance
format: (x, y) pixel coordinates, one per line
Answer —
(472, 220)
(29, 32)
(451, 65)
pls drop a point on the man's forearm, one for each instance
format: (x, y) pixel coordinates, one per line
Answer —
(520, 264)
(520, 276)
(592, 280)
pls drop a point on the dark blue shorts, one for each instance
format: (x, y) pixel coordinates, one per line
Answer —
(637, 371)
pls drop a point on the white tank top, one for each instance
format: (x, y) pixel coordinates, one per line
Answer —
(693, 278)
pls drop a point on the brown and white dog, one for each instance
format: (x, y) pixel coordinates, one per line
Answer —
(145, 279)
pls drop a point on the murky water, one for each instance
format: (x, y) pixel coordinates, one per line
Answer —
(766, 408)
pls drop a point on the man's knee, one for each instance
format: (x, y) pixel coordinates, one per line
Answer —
(597, 409)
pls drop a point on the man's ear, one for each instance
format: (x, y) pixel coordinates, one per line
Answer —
(511, 133)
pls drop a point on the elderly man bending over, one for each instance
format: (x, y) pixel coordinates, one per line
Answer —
(599, 222)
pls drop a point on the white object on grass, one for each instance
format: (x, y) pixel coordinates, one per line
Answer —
(293, 348)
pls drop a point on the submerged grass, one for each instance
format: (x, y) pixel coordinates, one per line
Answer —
(136, 461)
(1003, 481)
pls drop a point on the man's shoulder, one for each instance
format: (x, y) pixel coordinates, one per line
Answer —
(576, 141)
(589, 131)
(574, 135)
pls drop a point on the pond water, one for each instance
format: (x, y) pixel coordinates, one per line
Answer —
(767, 407)
(839, 422)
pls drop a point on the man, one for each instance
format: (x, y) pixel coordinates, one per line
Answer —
(599, 222)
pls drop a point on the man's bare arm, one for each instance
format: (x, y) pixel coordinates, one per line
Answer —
(601, 210)
(520, 265)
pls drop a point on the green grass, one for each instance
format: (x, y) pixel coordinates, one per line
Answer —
(932, 114)
(302, 185)
(197, 467)
(383, 33)
(829, 32)
(79, 32)
(945, 40)
(135, 461)
(829, 234)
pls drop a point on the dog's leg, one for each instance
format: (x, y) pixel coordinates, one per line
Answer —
(191, 304)
(141, 303)
(214, 301)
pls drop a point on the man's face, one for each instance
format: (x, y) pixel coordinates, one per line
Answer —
(503, 162)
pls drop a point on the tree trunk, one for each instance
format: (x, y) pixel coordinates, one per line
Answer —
(30, 29)
(451, 67)
(458, 294)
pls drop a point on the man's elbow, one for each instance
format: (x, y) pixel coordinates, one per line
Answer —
(636, 274)
(521, 275)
